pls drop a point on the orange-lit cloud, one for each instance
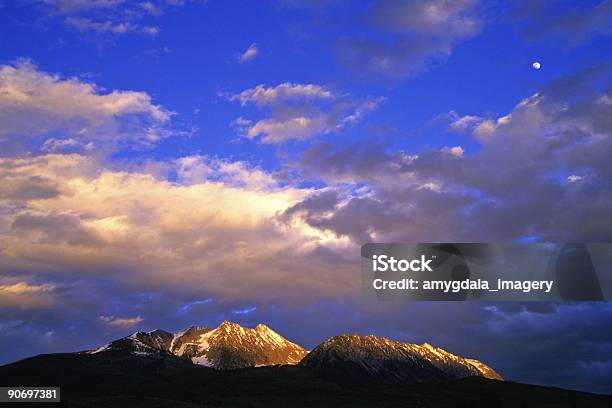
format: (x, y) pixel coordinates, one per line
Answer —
(217, 234)
(23, 295)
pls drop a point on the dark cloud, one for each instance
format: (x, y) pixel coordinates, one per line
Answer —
(315, 204)
(29, 188)
(398, 39)
(540, 170)
(411, 35)
(55, 228)
(436, 18)
(547, 20)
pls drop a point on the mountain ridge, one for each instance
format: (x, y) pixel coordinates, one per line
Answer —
(124, 380)
(232, 346)
(344, 370)
(228, 346)
(385, 360)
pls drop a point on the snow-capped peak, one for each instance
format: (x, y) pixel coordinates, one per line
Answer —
(227, 346)
(231, 345)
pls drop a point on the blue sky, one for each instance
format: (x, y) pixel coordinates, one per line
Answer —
(193, 58)
(178, 162)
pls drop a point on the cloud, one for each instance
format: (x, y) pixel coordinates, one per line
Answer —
(414, 34)
(456, 151)
(37, 106)
(121, 323)
(299, 111)
(249, 54)
(28, 187)
(72, 6)
(23, 295)
(85, 24)
(521, 181)
(90, 247)
(194, 236)
(54, 228)
(109, 17)
(196, 169)
(22, 288)
(154, 7)
(461, 124)
(577, 25)
(275, 131)
(245, 311)
(58, 145)
(447, 19)
(284, 93)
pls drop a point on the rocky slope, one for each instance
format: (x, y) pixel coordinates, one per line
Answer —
(371, 357)
(228, 346)
(231, 346)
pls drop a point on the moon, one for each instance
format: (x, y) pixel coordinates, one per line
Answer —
(536, 65)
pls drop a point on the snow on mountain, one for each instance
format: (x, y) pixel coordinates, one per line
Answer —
(231, 346)
(226, 347)
(156, 342)
(485, 370)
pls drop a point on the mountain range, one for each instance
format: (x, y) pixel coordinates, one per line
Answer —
(234, 366)
(231, 346)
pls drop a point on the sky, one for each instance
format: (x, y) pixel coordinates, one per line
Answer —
(176, 162)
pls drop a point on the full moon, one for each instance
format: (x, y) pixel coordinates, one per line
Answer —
(536, 65)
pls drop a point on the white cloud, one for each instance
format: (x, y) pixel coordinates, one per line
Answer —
(110, 17)
(57, 145)
(299, 112)
(249, 54)
(109, 27)
(484, 128)
(274, 131)
(151, 30)
(197, 169)
(462, 124)
(73, 6)
(285, 92)
(456, 151)
(85, 24)
(122, 323)
(37, 105)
